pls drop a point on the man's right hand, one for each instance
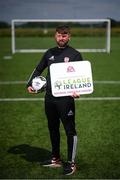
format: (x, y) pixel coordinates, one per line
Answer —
(31, 90)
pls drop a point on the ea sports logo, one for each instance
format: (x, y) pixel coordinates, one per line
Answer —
(70, 69)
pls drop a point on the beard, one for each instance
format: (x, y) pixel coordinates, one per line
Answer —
(62, 44)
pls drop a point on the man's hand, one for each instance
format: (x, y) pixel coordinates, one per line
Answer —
(75, 95)
(31, 90)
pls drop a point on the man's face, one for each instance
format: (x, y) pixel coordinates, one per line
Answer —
(62, 39)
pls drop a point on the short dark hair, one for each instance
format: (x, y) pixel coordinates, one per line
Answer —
(63, 29)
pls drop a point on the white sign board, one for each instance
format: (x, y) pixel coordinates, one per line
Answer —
(70, 77)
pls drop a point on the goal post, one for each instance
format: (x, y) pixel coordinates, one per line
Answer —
(36, 35)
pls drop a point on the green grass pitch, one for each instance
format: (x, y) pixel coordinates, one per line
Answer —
(24, 137)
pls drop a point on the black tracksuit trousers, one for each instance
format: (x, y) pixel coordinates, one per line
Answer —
(61, 109)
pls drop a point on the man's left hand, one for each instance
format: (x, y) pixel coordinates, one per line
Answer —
(75, 95)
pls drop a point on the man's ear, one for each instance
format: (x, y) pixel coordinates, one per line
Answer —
(69, 36)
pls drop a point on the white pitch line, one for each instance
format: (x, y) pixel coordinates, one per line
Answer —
(12, 82)
(99, 99)
(107, 82)
(25, 82)
(20, 99)
(7, 57)
(79, 99)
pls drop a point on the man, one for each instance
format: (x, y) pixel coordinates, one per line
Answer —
(59, 108)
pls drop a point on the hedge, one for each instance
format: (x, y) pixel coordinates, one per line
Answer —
(38, 32)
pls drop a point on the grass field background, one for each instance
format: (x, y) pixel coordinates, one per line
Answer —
(77, 42)
(24, 137)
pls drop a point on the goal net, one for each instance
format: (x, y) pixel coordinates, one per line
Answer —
(37, 35)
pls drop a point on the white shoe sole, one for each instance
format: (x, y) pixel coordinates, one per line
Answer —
(71, 172)
(53, 165)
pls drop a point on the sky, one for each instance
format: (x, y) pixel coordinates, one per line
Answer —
(59, 9)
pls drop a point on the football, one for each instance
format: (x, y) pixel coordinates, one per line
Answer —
(39, 84)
